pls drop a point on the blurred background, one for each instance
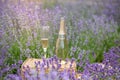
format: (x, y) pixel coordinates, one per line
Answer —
(92, 26)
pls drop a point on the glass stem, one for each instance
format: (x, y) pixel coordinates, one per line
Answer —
(45, 50)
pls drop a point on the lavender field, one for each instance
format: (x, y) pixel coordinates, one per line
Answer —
(93, 34)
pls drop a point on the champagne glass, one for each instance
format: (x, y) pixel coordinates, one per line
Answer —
(44, 38)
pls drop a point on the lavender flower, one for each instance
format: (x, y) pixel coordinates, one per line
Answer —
(108, 69)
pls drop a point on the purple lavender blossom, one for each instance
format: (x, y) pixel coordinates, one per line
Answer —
(109, 68)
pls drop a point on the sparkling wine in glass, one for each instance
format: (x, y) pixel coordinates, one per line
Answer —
(44, 42)
(44, 38)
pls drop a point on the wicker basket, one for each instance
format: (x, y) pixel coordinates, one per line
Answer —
(31, 63)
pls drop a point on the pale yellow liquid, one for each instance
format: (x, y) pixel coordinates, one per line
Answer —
(44, 42)
(61, 49)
